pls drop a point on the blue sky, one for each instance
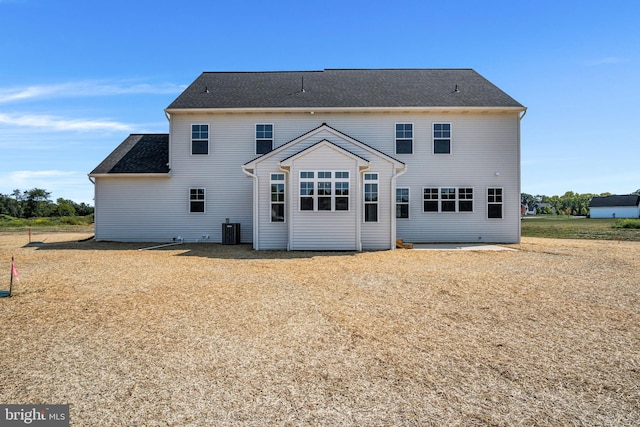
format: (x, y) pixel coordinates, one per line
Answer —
(76, 77)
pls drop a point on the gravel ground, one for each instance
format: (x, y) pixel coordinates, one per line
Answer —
(204, 334)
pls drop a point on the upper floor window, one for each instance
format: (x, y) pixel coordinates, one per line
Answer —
(404, 138)
(199, 139)
(494, 202)
(324, 190)
(442, 138)
(448, 199)
(196, 200)
(264, 138)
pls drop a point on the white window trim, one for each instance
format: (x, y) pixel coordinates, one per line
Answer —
(256, 139)
(282, 181)
(364, 193)
(457, 200)
(395, 140)
(494, 203)
(333, 180)
(204, 200)
(433, 139)
(191, 140)
(408, 202)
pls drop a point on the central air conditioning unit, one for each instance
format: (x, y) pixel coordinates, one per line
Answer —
(231, 233)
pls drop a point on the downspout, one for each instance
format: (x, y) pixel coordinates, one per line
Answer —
(360, 212)
(95, 199)
(520, 117)
(256, 242)
(394, 178)
(168, 116)
(288, 203)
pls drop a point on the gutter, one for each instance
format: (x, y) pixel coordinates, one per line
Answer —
(524, 113)
(316, 110)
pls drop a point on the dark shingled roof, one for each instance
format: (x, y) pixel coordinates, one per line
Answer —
(139, 153)
(611, 201)
(354, 88)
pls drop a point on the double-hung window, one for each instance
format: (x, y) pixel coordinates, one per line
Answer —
(370, 197)
(199, 139)
(277, 197)
(264, 138)
(494, 202)
(431, 200)
(442, 138)
(342, 191)
(465, 199)
(196, 200)
(324, 191)
(448, 199)
(404, 138)
(402, 203)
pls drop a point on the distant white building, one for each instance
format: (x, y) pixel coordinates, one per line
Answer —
(625, 206)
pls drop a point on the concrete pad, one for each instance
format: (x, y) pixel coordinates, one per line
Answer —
(459, 247)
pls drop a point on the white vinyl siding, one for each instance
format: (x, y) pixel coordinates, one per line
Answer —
(154, 209)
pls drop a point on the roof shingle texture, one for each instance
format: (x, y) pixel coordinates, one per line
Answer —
(344, 88)
(139, 153)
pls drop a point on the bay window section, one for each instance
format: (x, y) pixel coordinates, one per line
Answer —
(370, 197)
(277, 197)
(324, 191)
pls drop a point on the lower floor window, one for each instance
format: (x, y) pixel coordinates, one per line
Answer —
(196, 200)
(324, 191)
(494, 202)
(370, 197)
(448, 199)
(402, 203)
(277, 197)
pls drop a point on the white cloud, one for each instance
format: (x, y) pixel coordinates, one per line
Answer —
(84, 88)
(61, 124)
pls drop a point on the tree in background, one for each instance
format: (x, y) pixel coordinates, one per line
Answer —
(64, 208)
(36, 203)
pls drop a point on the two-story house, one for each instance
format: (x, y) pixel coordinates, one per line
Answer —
(340, 159)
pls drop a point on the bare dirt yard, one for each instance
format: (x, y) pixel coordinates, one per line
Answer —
(205, 334)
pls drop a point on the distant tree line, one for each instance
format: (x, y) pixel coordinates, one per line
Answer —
(568, 204)
(37, 203)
